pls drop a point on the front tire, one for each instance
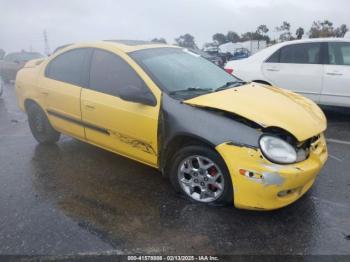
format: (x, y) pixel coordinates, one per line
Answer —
(40, 126)
(200, 174)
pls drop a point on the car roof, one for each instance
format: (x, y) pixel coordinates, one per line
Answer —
(266, 52)
(313, 40)
(22, 52)
(126, 46)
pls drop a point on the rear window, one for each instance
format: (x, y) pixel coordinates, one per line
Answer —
(307, 53)
(339, 53)
(68, 67)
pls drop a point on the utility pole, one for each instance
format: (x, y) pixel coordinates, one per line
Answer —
(46, 42)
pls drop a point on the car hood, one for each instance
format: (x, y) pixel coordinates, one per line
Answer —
(269, 107)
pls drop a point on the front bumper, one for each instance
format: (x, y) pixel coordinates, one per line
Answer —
(265, 185)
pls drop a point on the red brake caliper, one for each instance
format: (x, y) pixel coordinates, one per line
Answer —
(213, 172)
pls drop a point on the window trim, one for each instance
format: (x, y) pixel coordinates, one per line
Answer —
(82, 80)
(88, 86)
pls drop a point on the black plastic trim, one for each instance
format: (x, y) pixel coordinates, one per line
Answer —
(78, 122)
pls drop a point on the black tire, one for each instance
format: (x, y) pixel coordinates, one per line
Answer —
(40, 126)
(198, 150)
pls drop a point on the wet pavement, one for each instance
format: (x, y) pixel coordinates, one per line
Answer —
(74, 198)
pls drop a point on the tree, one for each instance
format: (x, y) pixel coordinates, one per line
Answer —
(300, 32)
(249, 36)
(341, 30)
(262, 30)
(284, 30)
(220, 38)
(261, 33)
(159, 40)
(326, 29)
(321, 29)
(186, 40)
(254, 36)
(2, 54)
(232, 37)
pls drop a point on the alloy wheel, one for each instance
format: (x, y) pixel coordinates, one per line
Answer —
(201, 178)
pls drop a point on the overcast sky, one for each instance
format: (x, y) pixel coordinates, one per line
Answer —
(22, 21)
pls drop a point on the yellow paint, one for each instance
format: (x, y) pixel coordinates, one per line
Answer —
(255, 193)
(269, 107)
(132, 127)
(119, 117)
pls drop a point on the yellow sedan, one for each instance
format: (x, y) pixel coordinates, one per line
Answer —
(218, 139)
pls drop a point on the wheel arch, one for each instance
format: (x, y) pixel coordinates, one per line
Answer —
(177, 142)
(262, 82)
(29, 101)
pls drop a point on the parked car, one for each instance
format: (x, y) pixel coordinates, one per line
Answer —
(13, 62)
(218, 139)
(240, 53)
(316, 68)
(212, 58)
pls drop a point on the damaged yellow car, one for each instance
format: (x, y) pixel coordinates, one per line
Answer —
(218, 139)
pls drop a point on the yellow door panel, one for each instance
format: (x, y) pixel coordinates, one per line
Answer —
(62, 103)
(124, 127)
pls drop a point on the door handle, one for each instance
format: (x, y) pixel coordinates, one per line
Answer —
(89, 106)
(334, 74)
(45, 93)
(272, 69)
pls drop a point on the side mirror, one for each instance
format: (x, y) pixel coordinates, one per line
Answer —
(137, 95)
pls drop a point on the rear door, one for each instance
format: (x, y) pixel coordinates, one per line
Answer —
(297, 67)
(336, 84)
(60, 89)
(125, 127)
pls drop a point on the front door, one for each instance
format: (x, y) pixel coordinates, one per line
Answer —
(127, 128)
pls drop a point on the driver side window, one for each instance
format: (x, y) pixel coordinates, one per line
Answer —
(109, 74)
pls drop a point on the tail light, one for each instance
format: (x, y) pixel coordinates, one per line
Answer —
(229, 70)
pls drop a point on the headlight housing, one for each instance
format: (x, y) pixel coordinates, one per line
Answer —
(277, 150)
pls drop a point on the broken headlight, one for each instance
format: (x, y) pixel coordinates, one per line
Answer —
(277, 150)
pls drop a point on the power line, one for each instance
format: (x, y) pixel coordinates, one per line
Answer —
(46, 42)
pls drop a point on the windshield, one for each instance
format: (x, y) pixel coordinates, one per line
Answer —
(181, 72)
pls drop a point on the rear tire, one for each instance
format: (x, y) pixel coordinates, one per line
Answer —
(200, 174)
(40, 126)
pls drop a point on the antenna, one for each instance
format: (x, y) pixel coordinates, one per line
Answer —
(46, 42)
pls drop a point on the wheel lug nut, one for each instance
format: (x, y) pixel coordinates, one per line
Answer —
(202, 184)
